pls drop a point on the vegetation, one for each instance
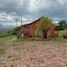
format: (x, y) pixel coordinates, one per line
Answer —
(45, 25)
(5, 32)
(4, 39)
(15, 30)
(62, 25)
(4, 66)
(8, 32)
(61, 33)
(2, 50)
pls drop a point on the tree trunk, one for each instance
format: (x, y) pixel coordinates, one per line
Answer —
(44, 34)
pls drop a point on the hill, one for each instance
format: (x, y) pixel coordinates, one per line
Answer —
(6, 26)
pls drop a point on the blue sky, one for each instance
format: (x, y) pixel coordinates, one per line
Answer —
(31, 9)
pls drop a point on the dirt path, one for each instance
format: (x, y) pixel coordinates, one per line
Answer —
(36, 54)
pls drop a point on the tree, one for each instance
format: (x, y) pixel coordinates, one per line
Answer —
(16, 30)
(45, 25)
(62, 25)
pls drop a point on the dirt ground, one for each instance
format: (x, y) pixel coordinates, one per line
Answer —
(34, 54)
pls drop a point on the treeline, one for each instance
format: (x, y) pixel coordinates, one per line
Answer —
(8, 32)
(4, 32)
(62, 25)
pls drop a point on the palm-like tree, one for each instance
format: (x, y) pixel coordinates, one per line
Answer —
(45, 25)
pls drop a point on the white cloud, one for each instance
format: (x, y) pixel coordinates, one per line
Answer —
(5, 17)
(62, 2)
(35, 6)
(32, 9)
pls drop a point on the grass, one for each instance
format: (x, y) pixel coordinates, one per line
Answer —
(2, 50)
(62, 32)
(59, 39)
(4, 39)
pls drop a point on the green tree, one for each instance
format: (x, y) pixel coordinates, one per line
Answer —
(45, 25)
(16, 30)
(62, 25)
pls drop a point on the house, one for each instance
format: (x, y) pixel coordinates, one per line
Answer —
(32, 29)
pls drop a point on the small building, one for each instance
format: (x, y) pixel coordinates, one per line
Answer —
(33, 29)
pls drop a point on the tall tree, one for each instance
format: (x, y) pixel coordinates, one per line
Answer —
(62, 25)
(45, 25)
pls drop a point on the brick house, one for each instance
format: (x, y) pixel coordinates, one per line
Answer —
(32, 29)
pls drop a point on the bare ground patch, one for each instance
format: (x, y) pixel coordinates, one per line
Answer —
(34, 54)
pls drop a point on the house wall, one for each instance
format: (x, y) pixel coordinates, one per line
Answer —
(29, 30)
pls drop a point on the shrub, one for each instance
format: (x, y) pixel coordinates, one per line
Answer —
(65, 35)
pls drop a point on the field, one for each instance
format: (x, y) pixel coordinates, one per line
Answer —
(31, 53)
(62, 32)
(4, 39)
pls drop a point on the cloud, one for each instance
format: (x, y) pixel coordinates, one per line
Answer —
(35, 6)
(32, 9)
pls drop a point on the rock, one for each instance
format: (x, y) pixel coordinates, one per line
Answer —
(13, 40)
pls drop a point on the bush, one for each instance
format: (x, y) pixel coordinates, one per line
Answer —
(65, 35)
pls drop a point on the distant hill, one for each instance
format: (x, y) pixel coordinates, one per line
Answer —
(3, 26)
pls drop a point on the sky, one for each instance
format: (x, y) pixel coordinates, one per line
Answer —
(29, 10)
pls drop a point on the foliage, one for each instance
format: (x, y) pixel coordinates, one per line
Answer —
(62, 25)
(15, 31)
(45, 25)
(5, 32)
(57, 28)
(8, 32)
